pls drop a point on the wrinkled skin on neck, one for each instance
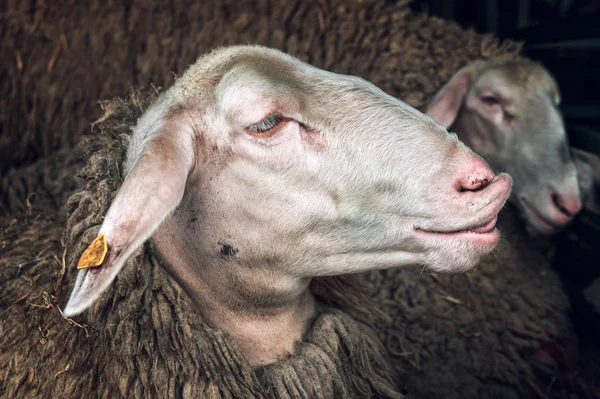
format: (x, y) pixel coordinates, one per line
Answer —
(507, 112)
(256, 173)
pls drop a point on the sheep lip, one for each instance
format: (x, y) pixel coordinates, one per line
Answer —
(487, 227)
(544, 222)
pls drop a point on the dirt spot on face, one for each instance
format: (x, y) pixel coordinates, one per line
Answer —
(191, 221)
(227, 251)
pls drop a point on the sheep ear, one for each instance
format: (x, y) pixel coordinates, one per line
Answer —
(447, 103)
(151, 191)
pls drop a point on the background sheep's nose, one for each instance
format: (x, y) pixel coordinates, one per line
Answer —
(475, 176)
(566, 205)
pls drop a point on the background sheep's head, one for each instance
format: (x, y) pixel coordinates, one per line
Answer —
(507, 112)
(256, 172)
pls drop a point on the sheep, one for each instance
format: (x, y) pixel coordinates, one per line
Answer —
(473, 104)
(246, 175)
(479, 103)
(202, 166)
(506, 110)
(146, 338)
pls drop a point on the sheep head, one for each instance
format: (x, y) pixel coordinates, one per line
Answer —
(506, 110)
(256, 172)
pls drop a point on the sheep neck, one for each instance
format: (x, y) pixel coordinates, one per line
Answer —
(263, 338)
(266, 316)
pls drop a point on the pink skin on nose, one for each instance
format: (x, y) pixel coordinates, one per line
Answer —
(475, 176)
(566, 205)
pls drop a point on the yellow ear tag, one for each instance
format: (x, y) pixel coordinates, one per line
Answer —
(94, 255)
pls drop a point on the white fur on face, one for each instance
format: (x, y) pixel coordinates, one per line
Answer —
(340, 188)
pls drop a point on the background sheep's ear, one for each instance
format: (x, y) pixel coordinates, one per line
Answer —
(151, 191)
(447, 103)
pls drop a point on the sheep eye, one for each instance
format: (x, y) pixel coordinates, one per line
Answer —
(490, 100)
(267, 124)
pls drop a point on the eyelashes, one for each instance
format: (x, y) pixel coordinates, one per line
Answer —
(265, 126)
(490, 100)
(270, 125)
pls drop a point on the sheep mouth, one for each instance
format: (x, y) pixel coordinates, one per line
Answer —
(486, 228)
(546, 224)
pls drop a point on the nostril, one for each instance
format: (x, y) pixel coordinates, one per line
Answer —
(556, 201)
(472, 184)
(474, 176)
(567, 207)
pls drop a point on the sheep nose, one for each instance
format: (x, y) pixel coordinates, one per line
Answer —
(475, 176)
(566, 205)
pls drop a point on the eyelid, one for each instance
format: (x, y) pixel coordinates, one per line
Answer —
(254, 130)
(490, 99)
(266, 124)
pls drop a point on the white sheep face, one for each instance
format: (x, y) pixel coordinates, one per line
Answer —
(256, 172)
(507, 112)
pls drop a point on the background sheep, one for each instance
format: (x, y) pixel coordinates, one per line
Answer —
(410, 56)
(507, 112)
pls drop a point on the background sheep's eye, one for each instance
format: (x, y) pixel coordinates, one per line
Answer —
(267, 124)
(490, 100)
